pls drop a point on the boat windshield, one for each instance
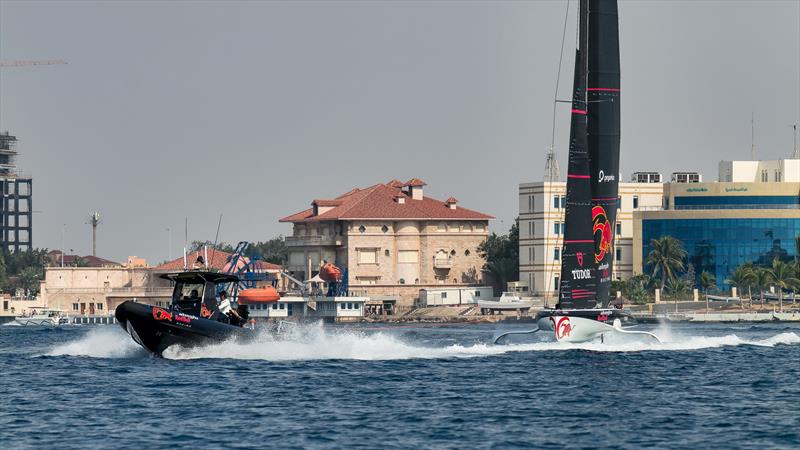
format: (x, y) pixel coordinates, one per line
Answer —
(187, 292)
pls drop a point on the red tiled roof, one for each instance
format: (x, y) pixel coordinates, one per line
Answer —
(69, 260)
(396, 183)
(217, 260)
(327, 202)
(378, 202)
(450, 200)
(416, 182)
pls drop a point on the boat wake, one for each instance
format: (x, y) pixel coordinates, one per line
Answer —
(100, 342)
(316, 342)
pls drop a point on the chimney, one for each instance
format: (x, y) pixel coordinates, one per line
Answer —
(400, 198)
(451, 203)
(415, 188)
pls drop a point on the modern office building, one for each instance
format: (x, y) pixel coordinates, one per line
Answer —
(16, 218)
(751, 215)
(541, 228)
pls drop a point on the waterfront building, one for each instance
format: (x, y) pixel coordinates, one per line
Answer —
(99, 290)
(751, 215)
(16, 207)
(541, 229)
(391, 239)
(100, 286)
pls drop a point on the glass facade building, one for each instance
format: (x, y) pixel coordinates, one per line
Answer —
(739, 202)
(719, 245)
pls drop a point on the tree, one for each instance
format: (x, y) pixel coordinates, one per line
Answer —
(741, 277)
(501, 253)
(666, 258)
(784, 277)
(707, 281)
(273, 250)
(80, 261)
(22, 269)
(635, 289)
(28, 280)
(761, 280)
(221, 246)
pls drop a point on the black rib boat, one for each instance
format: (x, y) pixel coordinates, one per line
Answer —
(193, 317)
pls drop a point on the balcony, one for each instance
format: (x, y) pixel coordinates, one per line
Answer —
(313, 241)
(442, 263)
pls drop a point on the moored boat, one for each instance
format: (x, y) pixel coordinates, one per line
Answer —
(41, 317)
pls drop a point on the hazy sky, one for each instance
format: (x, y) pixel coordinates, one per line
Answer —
(253, 109)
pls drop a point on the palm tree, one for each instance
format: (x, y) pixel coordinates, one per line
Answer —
(707, 281)
(742, 276)
(761, 280)
(782, 274)
(666, 257)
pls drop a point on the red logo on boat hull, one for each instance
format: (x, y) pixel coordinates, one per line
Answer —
(563, 328)
(161, 314)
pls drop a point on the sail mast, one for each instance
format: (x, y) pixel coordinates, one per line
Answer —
(603, 96)
(578, 272)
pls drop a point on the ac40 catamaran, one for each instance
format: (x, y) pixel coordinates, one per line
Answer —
(584, 311)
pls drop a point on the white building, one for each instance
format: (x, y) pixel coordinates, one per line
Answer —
(541, 226)
(330, 308)
(781, 170)
(454, 296)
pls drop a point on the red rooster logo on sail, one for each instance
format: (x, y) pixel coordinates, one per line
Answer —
(601, 226)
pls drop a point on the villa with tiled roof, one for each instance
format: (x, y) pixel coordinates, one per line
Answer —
(392, 238)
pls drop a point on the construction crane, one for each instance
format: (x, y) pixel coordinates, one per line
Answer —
(28, 63)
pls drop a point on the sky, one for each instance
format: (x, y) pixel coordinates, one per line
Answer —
(174, 110)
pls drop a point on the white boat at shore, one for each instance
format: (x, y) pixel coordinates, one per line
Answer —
(508, 301)
(41, 317)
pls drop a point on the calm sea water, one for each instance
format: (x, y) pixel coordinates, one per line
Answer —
(403, 387)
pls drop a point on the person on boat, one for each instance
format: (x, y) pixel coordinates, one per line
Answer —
(226, 308)
(199, 263)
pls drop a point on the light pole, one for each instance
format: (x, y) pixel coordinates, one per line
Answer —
(63, 231)
(169, 251)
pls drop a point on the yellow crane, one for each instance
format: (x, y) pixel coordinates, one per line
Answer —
(28, 63)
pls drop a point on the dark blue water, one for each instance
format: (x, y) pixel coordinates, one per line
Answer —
(403, 387)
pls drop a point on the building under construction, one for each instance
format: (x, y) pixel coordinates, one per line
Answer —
(16, 206)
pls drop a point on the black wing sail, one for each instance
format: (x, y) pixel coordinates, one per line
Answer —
(603, 95)
(577, 290)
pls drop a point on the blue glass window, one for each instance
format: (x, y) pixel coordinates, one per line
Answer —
(739, 202)
(720, 245)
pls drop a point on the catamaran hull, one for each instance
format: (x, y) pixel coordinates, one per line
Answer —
(156, 328)
(582, 325)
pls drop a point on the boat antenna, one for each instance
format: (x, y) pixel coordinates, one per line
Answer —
(552, 172)
(214, 249)
(795, 149)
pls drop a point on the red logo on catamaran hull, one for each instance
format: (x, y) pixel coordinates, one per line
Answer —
(562, 327)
